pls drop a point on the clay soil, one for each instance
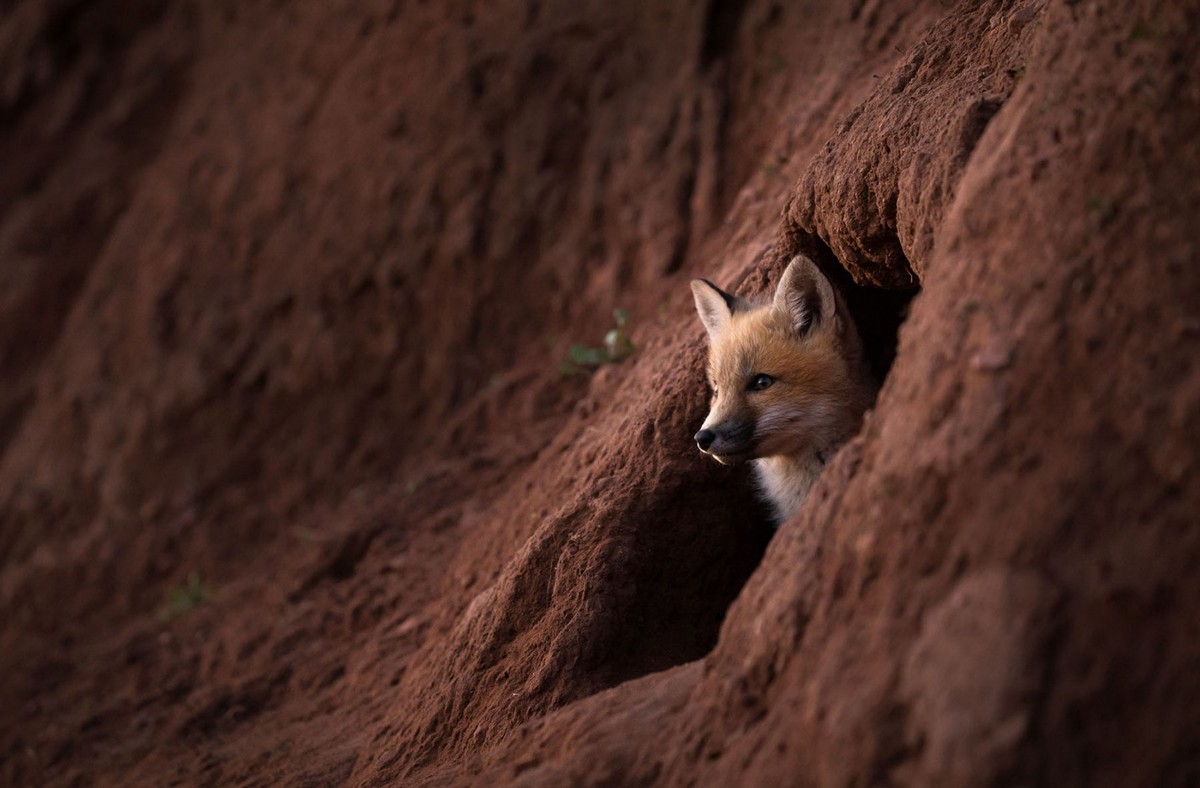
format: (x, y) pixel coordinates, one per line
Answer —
(296, 490)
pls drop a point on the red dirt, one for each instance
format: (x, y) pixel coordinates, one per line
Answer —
(285, 293)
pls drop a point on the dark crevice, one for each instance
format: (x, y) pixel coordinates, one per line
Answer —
(878, 314)
(687, 192)
(978, 117)
(688, 573)
(720, 29)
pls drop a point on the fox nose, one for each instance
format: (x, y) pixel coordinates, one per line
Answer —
(705, 438)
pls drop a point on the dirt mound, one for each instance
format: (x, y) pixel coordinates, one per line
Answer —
(294, 487)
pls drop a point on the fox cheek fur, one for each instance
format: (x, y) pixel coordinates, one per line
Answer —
(790, 385)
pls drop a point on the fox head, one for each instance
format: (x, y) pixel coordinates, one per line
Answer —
(787, 377)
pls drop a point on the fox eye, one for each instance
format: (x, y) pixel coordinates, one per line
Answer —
(760, 382)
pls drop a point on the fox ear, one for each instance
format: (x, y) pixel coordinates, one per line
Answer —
(806, 296)
(714, 305)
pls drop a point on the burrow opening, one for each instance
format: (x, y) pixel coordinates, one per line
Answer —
(739, 523)
(709, 531)
(690, 572)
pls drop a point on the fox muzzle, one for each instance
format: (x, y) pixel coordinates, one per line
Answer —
(727, 443)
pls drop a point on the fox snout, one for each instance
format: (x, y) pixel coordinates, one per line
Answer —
(727, 443)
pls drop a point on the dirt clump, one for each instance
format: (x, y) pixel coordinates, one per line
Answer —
(294, 488)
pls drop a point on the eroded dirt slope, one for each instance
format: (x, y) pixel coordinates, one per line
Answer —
(286, 292)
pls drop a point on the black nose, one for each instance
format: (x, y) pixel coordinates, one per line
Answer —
(705, 438)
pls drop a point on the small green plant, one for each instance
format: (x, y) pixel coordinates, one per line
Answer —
(617, 346)
(183, 598)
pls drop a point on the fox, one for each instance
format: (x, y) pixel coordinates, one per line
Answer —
(790, 384)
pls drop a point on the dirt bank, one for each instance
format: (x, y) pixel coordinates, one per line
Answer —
(295, 489)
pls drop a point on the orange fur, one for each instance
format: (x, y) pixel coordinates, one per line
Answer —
(806, 343)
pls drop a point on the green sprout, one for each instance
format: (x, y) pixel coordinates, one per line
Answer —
(617, 346)
(183, 598)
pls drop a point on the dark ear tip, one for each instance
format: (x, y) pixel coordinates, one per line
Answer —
(730, 301)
